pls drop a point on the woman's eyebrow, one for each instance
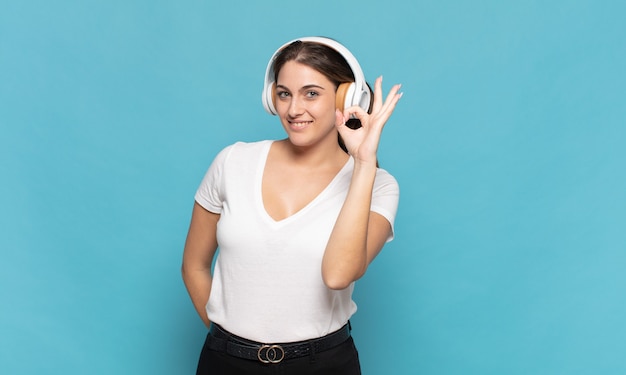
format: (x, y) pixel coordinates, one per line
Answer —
(305, 87)
(312, 86)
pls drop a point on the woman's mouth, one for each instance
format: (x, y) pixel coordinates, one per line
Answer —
(299, 124)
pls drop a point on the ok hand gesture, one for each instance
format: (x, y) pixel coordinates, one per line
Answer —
(362, 143)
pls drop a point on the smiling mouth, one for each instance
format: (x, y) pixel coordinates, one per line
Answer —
(300, 124)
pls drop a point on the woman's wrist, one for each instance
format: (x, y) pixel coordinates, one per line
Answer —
(362, 166)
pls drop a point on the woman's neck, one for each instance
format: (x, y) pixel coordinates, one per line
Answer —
(318, 155)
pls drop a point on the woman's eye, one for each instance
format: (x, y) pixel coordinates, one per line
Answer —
(312, 94)
(282, 94)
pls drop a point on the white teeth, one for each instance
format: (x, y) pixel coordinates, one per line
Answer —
(300, 124)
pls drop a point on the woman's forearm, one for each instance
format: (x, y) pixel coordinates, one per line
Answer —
(198, 283)
(346, 255)
(200, 248)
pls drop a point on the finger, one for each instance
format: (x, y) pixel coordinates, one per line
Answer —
(378, 94)
(357, 112)
(395, 91)
(345, 132)
(340, 118)
(390, 102)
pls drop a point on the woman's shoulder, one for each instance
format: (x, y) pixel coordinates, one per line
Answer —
(383, 174)
(242, 146)
(244, 149)
(384, 179)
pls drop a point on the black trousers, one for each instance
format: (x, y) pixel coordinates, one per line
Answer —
(340, 360)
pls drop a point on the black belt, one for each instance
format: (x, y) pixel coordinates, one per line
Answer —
(225, 342)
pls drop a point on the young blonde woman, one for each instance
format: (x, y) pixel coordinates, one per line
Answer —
(297, 221)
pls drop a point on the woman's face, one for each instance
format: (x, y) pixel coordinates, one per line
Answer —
(305, 103)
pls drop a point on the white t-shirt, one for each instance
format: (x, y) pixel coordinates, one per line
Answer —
(267, 281)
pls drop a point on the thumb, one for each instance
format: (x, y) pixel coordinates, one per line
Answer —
(340, 120)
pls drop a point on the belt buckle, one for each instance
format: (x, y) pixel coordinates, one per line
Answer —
(271, 354)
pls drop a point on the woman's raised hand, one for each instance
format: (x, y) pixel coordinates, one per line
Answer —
(362, 143)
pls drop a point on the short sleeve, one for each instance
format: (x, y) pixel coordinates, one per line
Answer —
(210, 193)
(385, 197)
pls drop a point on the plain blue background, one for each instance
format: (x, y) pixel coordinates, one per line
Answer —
(508, 144)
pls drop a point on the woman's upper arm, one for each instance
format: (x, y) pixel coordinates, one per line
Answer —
(201, 242)
(385, 198)
(378, 231)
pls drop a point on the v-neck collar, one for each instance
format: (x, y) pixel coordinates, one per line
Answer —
(258, 188)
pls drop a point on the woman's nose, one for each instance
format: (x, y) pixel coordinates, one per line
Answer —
(295, 107)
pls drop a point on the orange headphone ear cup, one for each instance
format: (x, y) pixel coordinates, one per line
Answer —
(340, 96)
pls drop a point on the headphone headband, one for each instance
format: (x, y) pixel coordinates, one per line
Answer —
(357, 93)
